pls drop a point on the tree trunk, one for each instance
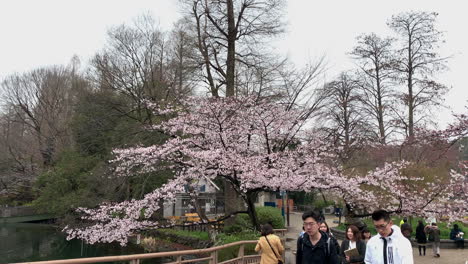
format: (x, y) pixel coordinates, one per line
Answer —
(251, 209)
(410, 92)
(232, 202)
(231, 50)
(380, 114)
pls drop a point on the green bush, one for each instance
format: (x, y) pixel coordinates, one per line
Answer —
(270, 214)
(320, 204)
(230, 253)
(264, 214)
(185, 233)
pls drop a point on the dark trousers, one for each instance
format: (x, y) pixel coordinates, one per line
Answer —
(423, 247)
(460, 243)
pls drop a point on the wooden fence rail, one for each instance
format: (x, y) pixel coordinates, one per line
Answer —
(212, 258)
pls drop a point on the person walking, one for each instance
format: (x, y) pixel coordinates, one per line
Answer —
(389, 246)
(333, 241)
(421, 238)
(406, 230)
(270, 246)
(314, 247)
(433, 233)
(353, 240)
(404, 220)
(366, 234)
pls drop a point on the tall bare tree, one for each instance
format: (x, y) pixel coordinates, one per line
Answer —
(183, 61)
(136, 62)
(374, 57)
(42, 101)
(230, 32)
(344, 121)
(418, 62)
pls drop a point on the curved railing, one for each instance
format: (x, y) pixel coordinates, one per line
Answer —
(212, 253)
(135, 259)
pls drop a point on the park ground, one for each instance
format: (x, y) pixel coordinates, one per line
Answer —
(447, 256)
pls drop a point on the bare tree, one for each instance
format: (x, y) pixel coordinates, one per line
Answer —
(374, 58)
(42, 102)
(183, 60)
(18, 164)
(231, 32)
(137, 63)
(418, 62)
(345, 123)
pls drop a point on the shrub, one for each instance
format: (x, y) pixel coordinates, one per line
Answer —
(183, 233)
(230, 253)
(264, 214)
(270, 214)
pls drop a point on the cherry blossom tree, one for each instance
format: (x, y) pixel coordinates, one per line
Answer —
(253, 144)
(429, 180)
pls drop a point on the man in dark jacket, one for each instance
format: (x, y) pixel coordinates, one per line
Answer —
(314, 246)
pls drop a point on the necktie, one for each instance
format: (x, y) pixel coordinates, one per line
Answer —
(384, 250)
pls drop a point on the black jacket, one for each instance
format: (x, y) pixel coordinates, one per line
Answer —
(361, 247)
(421, 235)
(319, 253)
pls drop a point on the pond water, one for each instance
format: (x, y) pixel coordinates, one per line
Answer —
(22, 242)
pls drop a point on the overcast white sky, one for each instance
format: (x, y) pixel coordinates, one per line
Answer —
(39, 33)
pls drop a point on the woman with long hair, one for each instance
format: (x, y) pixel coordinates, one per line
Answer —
(333, 242)
(421, 238)
(353, 240)
(270, 246)
(366, 234)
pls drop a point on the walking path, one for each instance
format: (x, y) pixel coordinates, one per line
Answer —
(447, 256)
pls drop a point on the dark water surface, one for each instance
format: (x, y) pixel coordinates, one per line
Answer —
(23, 242)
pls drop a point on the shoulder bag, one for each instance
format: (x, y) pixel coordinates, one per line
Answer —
(279, 260)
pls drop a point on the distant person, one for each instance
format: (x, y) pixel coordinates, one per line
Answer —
(353, 240)
(456, 234)
(404, 220)
(270, 246)
(333, 241)
(406, 230)
(389, 246)
(314, 247)
(433, 233)
(302, 232)
(366, 234)
(421, 238)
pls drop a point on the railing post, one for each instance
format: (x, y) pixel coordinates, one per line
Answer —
(179, 259)
(241, 251)
(135, 261)
(214, 257)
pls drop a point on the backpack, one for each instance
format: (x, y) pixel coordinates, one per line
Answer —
(430, 236)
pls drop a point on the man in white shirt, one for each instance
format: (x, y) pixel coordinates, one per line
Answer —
(389, 246)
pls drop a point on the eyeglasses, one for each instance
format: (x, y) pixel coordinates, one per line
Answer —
(380, 227)
(309, 223)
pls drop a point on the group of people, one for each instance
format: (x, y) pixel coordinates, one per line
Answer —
(391, 245)
(316, 245)
(427, 233)
(431, 233)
